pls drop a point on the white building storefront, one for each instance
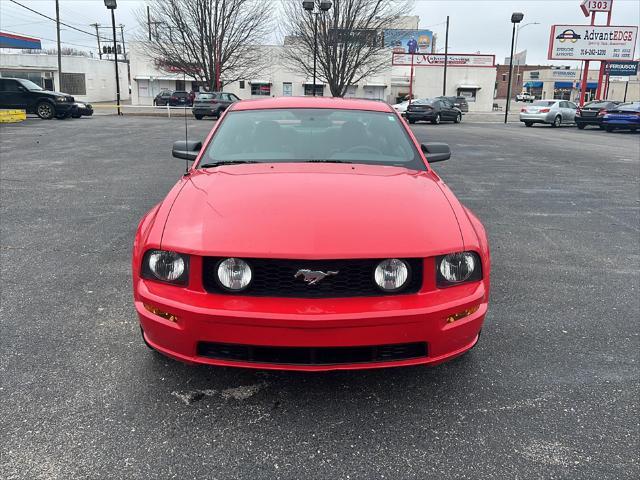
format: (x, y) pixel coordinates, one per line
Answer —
(87, 79)
(475, 82)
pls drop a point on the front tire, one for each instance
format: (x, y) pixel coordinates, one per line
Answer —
(437, 120)
(45, 110)
(458, 118)
(528, 124)
(556, 122)
(411, 121)
(581, 126)
(198, 117)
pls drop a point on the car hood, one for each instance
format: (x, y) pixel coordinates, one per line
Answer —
(311, 211)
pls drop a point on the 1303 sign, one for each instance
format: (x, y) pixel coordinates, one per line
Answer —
(589, 6)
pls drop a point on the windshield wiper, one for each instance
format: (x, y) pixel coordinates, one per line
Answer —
(226, 162)
(327, 161)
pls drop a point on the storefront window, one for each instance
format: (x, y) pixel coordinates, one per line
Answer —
(260, 89)
(468, 93)
(308, 90)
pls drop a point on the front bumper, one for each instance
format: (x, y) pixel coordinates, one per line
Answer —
(297, 322)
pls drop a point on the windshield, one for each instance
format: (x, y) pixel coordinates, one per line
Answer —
(543, 103)
(312, 135)
(29, 85)
(205, 96)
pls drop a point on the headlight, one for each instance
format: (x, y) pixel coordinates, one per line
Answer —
(81, 105)
(61, 99)
(234, 274)
(166, 266)
(392, 274)
(457, 268)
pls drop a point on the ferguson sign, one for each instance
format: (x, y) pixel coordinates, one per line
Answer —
(590, 42)
(437, 60)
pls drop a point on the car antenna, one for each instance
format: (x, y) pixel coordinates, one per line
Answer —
(186, 127)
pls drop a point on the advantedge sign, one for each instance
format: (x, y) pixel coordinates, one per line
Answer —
(592, 42)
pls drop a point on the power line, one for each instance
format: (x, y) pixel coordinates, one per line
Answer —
(54, 20)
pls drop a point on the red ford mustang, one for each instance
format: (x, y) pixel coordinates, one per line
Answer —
(311, 234)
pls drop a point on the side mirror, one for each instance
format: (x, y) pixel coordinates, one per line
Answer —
(186, 149)
(436, 152)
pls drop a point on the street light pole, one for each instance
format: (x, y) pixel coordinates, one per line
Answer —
(516, 46)
(309, 6)
(59, 48)
(516, 17)
(112, 5)
(315, 49)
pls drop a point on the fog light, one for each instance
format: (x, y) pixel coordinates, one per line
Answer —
(160, 313)
(462, 314)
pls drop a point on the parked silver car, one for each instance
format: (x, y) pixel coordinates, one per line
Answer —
(552, 112)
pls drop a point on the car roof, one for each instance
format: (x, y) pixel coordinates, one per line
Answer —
(313, 102)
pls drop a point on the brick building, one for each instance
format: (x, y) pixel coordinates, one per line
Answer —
(502, 78)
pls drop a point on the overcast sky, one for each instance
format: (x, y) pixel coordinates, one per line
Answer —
(475, 25)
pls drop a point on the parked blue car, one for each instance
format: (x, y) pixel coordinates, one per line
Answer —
(623, 117)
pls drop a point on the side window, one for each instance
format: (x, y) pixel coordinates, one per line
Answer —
(10, 86)
(564, 104)
(226, 97)
(234, 98)
(572, 105)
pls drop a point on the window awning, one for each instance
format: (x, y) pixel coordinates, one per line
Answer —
(563, 84)
(466, 86)
(372, 84)
(589, 85)
(533, 84)
(318, 83)
(260, 82)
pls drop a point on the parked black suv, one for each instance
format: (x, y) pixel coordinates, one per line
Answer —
(177, 98)
(23, 94)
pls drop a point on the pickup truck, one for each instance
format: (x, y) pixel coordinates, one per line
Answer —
(525, 97)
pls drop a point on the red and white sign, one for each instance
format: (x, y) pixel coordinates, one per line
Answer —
(592, 42)
(589, 6)
(437, 60)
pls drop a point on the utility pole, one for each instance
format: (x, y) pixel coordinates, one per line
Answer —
(98, 37)
(124, 53)
(446, 59)
(59, 49)
(149, 21)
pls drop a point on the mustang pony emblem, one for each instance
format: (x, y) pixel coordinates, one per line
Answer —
(313, 276)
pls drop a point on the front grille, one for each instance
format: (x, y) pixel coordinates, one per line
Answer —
(312, 355)
(276, 278)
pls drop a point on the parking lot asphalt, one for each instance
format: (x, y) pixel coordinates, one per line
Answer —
(550, 391)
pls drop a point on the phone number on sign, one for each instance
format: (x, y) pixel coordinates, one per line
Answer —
(592, 51)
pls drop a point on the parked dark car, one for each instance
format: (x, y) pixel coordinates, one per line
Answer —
(458, 102)
(593, 112)
(82, 110)
(434, 110)
(18, 93)
(212, 104)
(623, 117)
(177, 98)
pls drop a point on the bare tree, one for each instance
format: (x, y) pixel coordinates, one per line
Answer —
(350, 39)
(211, 41)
